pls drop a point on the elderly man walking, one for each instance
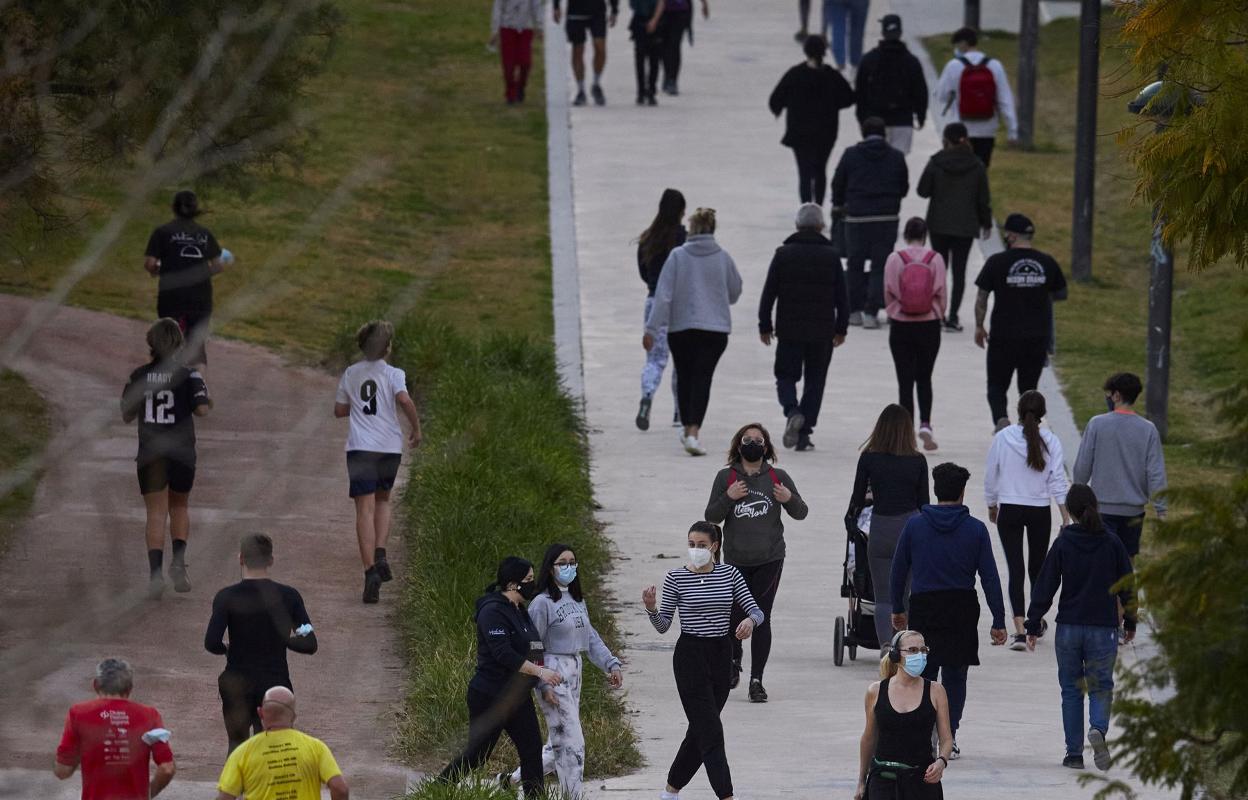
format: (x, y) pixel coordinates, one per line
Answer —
(939, 552)
(806, 281)
(281, 763)
(113, 738)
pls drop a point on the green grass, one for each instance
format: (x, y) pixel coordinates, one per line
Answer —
(24, 429)
(1101, 329)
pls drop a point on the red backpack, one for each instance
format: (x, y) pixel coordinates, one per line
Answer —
(977, 91)
(918, 283)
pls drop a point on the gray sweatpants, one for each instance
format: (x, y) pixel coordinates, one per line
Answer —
(564, 753)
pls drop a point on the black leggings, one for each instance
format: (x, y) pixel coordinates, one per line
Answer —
(914, 346)
(696, 354)
(647, 48)
(701, 666)
(955, 250)
(241, 694)
(674, 24)
(812, 171)
(1012, 521)
(764, 583)
(488, 716)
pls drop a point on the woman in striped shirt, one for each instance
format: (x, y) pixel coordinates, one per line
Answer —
(704, 592)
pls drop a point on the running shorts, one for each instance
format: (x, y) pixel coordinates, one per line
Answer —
(595, 22)
(371, 472)
(162, 473)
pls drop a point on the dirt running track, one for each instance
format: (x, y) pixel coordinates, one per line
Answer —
(270, 459)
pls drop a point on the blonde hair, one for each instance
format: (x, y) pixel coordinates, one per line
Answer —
(374, 338)
(888, 667)
(164, 338)
(702, 221)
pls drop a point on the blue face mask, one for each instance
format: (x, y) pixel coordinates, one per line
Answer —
(565, 574)
(914, 664)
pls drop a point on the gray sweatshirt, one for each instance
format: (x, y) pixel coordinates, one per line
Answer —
(1120, 457)
(698, 284)
(753, 529)
(566, 630)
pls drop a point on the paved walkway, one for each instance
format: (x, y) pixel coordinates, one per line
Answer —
(720, 146)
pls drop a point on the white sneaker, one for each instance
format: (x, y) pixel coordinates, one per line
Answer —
(693, 447)
(925, 436)
(668, 796)
(870, 321)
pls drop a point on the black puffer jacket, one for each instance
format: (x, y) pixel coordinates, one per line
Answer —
(957, 183)
(871, 179)
(813, 97)
(806, 279)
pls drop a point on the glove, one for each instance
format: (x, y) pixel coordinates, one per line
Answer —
(304, 629)
(156, 735)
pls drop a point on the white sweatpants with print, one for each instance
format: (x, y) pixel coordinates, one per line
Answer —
(564, 753)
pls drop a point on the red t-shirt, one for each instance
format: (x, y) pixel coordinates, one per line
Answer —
(105, 736)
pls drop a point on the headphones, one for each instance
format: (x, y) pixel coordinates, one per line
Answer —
(894, 649)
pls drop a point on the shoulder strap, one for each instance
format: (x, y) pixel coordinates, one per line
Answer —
(732, 476)
(928, 258)
(905, 259)
(965, 61)
(774, 477)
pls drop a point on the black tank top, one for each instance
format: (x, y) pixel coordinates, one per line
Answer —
(905, 738)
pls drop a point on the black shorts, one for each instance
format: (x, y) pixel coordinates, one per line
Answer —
(162, 473)
(371, 472)
(595, 22)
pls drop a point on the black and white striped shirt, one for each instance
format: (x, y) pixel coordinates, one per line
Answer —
(705, 601)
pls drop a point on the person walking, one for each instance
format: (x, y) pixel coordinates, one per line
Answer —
(698, 284)
(867, 189)
(803, 13)
(746, 496)
(1090, 565)
(938, 555)
(1025, 472)
(704, 591)
(975, 90)
(895, 757)
(647, 47)
(513, 25)
(811, 96)
(561, 619)
(890, 85)
(164, 396)
(895, 475)
(806, 285)
(280, 762)
(114, 739)
(509, 667)
(845, 27)
(263, 619)
(1120, 456)
(1024, 282)
(677, 23)
(654, 245)
(588, 16)
(185, 256)
(370, 394)
(959, 208)
(914, 297)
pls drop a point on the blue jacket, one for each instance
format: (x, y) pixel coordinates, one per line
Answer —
(941, 548)
(870, 180)
(1086, 566)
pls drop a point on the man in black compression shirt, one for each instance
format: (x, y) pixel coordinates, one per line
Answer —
(264, 619)
(591, 16)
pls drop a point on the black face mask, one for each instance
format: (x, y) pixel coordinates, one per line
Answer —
(528, 590)
(753, 451)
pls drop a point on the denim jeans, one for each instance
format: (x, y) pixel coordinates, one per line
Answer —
(1127, 529)
(954, 681)
(1085, 665)
(845, 21)
(874, 242)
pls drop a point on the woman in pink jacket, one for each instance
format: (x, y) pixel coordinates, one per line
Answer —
(914, 297)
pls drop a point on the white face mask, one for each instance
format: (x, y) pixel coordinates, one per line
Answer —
(699, 556)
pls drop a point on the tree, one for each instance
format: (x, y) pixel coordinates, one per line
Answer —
(169, 88)
(1196, 168)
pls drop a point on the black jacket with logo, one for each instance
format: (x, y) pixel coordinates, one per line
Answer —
(505, 637)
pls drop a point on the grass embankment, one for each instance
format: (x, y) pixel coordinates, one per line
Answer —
(1102, 329)
(449, 239)
(24, 431)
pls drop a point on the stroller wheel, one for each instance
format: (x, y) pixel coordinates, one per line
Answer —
(853, 652)
(838, 642)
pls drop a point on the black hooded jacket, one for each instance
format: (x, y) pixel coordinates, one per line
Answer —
(505, 638)
(956, 181)
(1087, 566)
(890, 85)
(813, 97)
(871, 179)
(807, 284)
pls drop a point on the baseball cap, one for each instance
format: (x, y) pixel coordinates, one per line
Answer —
(1019, 223)
(890, 23)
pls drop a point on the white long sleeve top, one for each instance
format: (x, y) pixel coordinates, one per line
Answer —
(947, 98)
(1008, 479)
(518, 15)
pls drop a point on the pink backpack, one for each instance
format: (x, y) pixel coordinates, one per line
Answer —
(917, 284)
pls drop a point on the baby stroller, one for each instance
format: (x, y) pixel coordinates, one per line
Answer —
(856, 586)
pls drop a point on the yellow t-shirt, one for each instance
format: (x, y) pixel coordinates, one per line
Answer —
(284, 764)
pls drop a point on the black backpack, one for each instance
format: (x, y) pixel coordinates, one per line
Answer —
(888, 85)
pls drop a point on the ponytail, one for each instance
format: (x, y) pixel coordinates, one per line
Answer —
(712, 530)
(511, 569)
(1031, 410)
(1081, 502)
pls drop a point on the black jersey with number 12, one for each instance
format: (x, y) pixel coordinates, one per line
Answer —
(164, 398)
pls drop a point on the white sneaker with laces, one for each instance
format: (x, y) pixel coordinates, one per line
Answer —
(925, 436)
(693, 447)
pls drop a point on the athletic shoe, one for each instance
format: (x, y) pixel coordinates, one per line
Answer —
(1020, 642)
(956, 752)
(1002, 424)
(1073, 762)
(155, 586)
(1100, 750)
(580, 99)
(1044, 627)
(676, 418)
(800, 37)
(855, 318)
(520, 95)
(669, 87)
(757, 693)
(693, 447)
(736, 675)
(177, 574)
(793, 429)
(952, 325)
(870, 321)
(643, 415)
(668, 796)
(600, 99)
(383, 570)
(641, 100)
(650, 100)
(372, 586)
(803, 444)
(503, 779)
(925, 435)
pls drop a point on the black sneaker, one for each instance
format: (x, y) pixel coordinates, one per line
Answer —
(953, 325)
(955, 752)
(735, 679)
(372, 586)
(643, 415)
(1073, 762)
(1100, 750)
(641, 99)
(600, 99)
(383, 570)
(650, 101)
(520, 95)
(804, 444)
(580, 99)
(1044, 627)
(177, 574)
(1020, 642)
(669, 87)
(800, 37)
(757, 693)
(793, 429)
(155, 586)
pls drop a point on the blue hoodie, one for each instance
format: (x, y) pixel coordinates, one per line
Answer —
(941, 548)
(1087, 566)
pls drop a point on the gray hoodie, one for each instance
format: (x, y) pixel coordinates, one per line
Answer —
(698, 284)
(566, 630)
(1120, 457)
(753, 529)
